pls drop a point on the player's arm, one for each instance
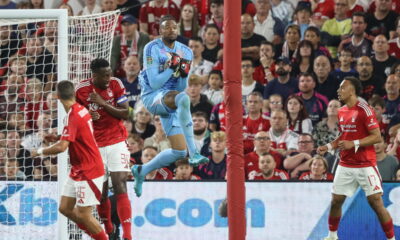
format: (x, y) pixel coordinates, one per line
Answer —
(120, 112)
(321, 150)
(54, 149)
(373, 137)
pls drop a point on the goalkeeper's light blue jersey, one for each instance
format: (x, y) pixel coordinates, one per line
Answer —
(156, 75)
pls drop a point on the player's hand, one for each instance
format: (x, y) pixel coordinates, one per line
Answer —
(174, 61)
(321, 150)
(184, 67)
(345, 145)
(51, 137)
(95, 115)
(34, 153)
(96, 98)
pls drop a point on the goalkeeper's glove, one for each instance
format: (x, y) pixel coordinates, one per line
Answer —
(184, 67)
(173, 61)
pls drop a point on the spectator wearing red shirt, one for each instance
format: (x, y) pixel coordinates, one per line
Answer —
(322, 11)
(184, 171)
(394, 43)
(148, 153)
(268, 170)
(35, 102)
(217, 17)
(318, 170)
(265, 72)
(378, 104)
(298, 162)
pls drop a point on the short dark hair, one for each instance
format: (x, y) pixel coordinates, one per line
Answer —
(308, 74)
(217, 72)
(211, 25)
(347, 50)
(359, 14)
(98, 63)
(200, 114)
(356, 84)
(248, 59)
(377, 101)
(65, 90)
(149, 147)
(218, 2)
(313, 29)
(265, 42)
(166, 18)
(196, 39)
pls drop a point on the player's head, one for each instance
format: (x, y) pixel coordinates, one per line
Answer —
(101, 73)
(168, 29)
(350, 87)
(65, 90)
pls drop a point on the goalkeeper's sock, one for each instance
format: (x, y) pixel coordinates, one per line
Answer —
(333, 224)
(388, 229)
(164, 158)
(83, 228)
(100, 236)
(182, 101)
(104, 210)
(125, 214)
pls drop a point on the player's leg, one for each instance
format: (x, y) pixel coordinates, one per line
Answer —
(375, 201)
(104, 208)
(92, 225)
(335, 213)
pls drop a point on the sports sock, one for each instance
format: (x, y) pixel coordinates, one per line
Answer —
(104, 210)
(182, 101)
(333, 234)
(333, 223)
(388, 229)
(100, 236)
(162, 159)
(83, 228)
(124, 214)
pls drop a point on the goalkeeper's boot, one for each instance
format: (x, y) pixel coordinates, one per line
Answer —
(198, 159)
(136, 169)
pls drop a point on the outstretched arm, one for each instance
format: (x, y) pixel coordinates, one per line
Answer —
(56, 148)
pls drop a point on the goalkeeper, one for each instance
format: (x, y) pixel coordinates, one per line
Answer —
(163, 81)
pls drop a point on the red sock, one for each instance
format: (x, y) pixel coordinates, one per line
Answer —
(100, 236)
(388, 228)
(333, 223)
(104, 210)
(83, 227)
(124, 214)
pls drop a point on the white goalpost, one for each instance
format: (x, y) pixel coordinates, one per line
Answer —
(39, 48)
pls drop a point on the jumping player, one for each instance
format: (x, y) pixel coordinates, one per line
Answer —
(83, 187)
(104, 97)
(359, 131)
(163, 81)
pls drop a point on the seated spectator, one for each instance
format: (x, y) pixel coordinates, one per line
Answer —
(131, 7)
(262, 145)
(328, 129)
(189, 23)
(184, 171)
(10, 101)
(201, 132)
(9, 45)
(392, 98)
(292, 39)
(298, 120)
(215, 92)
(313, 35)
(16, 151)
(283, 10)
(65, 5)
(212, 49)
(130, 42)
(90, 7)
(16, 121)
(372, 84)
(378, 104)
(135, 146)
(50, 169)
(299, 161)
(8, 4)
(254, 121)
(382, 61)
(265, 71)
(131, 81)
(268, 170)
(275, 102)
(394, 44)
(198, 101)
(323, 10)
(50, 37)
(250, 41)
(34, 102)
(12, 171)
(36, 4)
(216, 167)
(51, 102)
(302, 16)
(217, 17)
(148, 154)
(159, 139)
(142, 122)
(37, 138)
(387, 164)
(199, 66)
(345, 69)
(18, 66)
(266, 24)
(318, 170)
(304, 59)
(248, 83)
(394, 146)
(283, 140)
(326, 84)
(382, 20)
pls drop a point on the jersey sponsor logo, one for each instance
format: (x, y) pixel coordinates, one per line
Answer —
(341, 119)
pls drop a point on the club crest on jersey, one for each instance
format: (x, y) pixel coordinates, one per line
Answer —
(149, 60)
(341, 119)
(353, 119)
(110, 93)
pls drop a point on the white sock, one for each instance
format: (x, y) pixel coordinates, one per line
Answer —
(393, 238)
(333, 234)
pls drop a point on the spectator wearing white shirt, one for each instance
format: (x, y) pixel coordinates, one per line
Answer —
(267, 25)
(199, 66)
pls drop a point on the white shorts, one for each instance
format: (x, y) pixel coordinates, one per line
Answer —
(116, 157)
(347, 180)
(87, 193)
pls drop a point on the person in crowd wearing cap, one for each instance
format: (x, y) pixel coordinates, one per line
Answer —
(131, 42)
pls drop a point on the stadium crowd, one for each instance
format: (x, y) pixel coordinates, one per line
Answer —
(294, 56)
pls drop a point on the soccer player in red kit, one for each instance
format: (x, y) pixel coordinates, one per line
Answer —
(359, 131)
(82, 189)
(104, 97)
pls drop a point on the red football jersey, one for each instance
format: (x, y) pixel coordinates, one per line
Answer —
(251, 162)
(277, 175)
(84, 155)
(355, 124)
(108, 130)
(307, 176)
(163, 174)
(251, 128)
(394, 48)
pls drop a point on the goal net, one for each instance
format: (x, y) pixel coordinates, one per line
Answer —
(30, 66)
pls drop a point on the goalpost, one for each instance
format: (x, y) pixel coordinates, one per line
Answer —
(39, 48)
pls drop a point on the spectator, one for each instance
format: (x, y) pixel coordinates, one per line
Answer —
(395, 69)
(298, 120)
(16, 151)
(283, 140)
(327, 130)
(184, 171)
(50, 167)
(35, 102)
(275, 102)
(69, 8)
(216, 167)
(254, 121)
(12, 171)
(148, 154)
(266, 24)
(37, 138)
(394, 43)
(304, 60)
(199, 66)
(322, 10)
(131, 7)
(10, 102)
(378, 104)
(265, 72)
(214, 92)
(159, 139)
(50, 37)
(283, 10)
(217, 117)
(90, 7)
(51, 102)
(16, 121)
(382, 61)
(131, 42)
(18, 66)
(151, 13)
(142, 122)
(131, 81)
(198, 101)
(333, 30)
(250, 41)
(313, 35)
(135, 146)
(9, 45)
(392, 98)
(387, 164)
(283, 85)
(7, 4)
(318, 170)
(382, 19)
(268, 170)
(345, 69)
(302, 16)
(326, 84)
(314, 102)
(292, 39)
(248, 83)
(212, 50)
(201, 132)
(217, 17)
(355, 6)
(189, 23)
(359, 42)
(248, 7)
(36, 4)
(262, 145)
(372, 84)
